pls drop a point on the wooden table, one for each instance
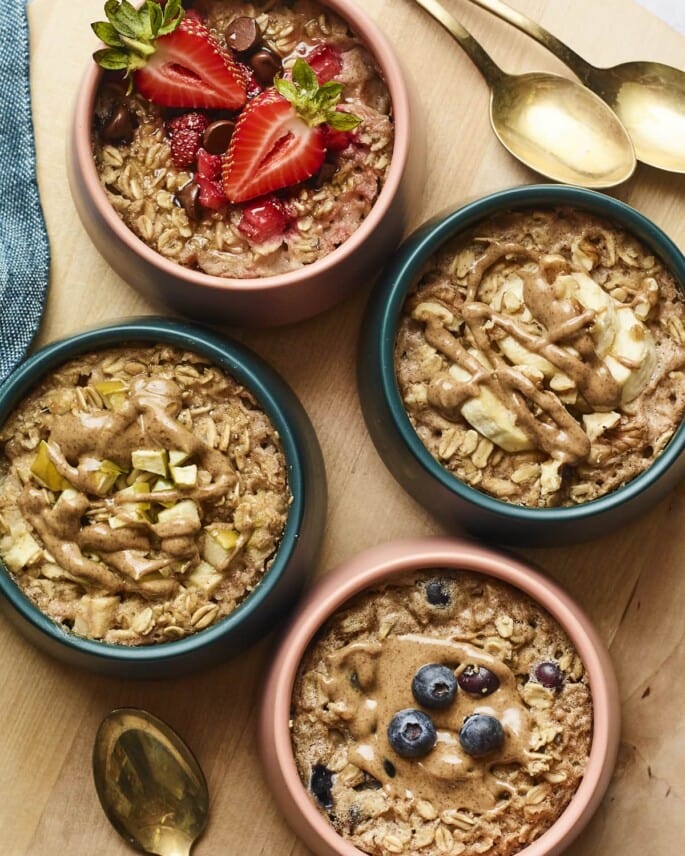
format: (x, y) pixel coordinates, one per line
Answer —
(629, 582)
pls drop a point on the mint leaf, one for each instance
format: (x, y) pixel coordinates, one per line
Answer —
(287, 89)
(304, 78)
(342, 121)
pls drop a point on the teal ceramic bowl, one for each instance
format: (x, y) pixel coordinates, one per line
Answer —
(299, 547)
(455, 503)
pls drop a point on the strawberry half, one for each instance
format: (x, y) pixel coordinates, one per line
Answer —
(190, 69)
(279, 140)
(172, 57)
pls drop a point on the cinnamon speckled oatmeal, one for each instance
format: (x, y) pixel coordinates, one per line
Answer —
(540, 357)
(143, 494)
(159, 201)
(503, 659)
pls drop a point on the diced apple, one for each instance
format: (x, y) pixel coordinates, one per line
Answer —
(151, 461)
(182, 512)
(23, 552)
(205, 577)
(44, 470)
(184, 476)
(177, 457)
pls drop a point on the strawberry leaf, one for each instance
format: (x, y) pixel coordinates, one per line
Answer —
(342, 121)
(313, 103)
(111, 59)
(107, 33)
(133, 31)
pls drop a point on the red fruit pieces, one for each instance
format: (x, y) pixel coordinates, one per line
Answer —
(190, 69)
(326, 63)
(264, 219)
(271, 148)
(208, 165)
(336, 141)
(186, 137)
(211, 193)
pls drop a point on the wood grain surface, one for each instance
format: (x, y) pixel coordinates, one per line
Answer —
(630, 582)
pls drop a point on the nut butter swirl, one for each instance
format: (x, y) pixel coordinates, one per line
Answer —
(447, 777)
(147, 419)
(565, 341)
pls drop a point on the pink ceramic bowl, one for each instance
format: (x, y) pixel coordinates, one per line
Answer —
(273, 300)
(382, 563)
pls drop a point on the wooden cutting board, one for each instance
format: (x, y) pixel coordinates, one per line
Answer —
(631, 582)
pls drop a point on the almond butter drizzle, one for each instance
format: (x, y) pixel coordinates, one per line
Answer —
(567, 344)
(147, 420)
(371, 681)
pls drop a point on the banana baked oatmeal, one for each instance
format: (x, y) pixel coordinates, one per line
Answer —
(241, 139)
(540, 357)
(441, 713)
(143, 494)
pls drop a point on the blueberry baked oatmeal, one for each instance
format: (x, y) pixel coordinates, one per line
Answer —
(441, 713)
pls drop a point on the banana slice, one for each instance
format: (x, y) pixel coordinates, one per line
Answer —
(632, 358)
(592, 296)
(491, 418)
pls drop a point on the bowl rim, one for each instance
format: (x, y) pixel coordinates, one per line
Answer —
(375, 40)
(240, 363)
(402, 274)
(395, 558)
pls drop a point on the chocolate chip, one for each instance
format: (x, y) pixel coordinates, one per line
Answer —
(243, 34)
(265, 66)
(324, 175)
(119, 126)
(321, 784)
(189, 197)
(217, 136)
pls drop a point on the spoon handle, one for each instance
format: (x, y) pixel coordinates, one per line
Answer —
(480, 58)
(581, 68)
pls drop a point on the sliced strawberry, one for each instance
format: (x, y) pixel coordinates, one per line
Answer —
(326, 63)
(263, 219)
(272, 147)
(190, 69)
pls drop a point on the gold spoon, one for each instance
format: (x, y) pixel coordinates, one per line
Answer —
(553, 125)
(648, 97)
(149, 784)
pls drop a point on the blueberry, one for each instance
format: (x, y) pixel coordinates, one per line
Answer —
(549, 675)
(481, 734)
(434, 686)
(321, 784)
(411, 733)
(478, 681)
(437, 593)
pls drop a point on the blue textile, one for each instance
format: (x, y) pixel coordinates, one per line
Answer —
(24, 248)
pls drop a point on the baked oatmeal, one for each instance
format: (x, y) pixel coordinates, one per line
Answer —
(143, 494)
(540, 357)
(441, 713)
(248, 140)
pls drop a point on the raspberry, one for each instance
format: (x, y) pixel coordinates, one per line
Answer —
(191, 121)
(263, 219)
(326, 63)
(184, 147)
(186, 137)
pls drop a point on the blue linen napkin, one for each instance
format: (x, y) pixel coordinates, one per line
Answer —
(24, 248)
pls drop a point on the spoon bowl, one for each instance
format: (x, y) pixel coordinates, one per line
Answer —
(555, 126)
(149, 783)
(648, 97)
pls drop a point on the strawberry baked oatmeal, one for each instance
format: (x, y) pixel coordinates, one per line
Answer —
(143, 494)
(239, 139)
(541, 357)
(442, 714)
